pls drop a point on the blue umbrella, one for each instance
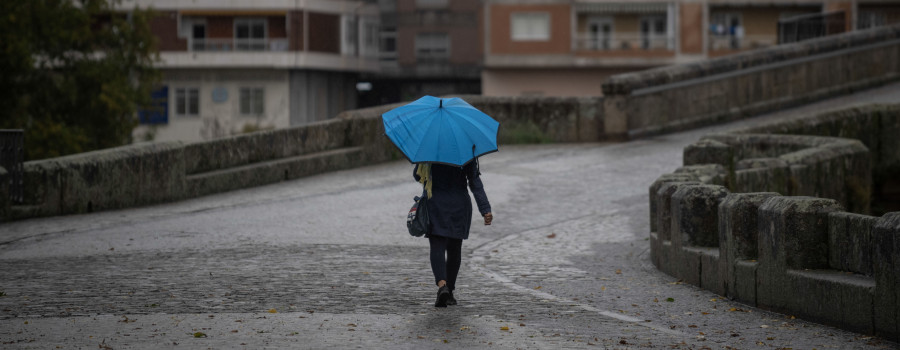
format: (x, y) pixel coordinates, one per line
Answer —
(437, 130)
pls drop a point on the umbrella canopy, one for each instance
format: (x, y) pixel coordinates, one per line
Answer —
(436, 130)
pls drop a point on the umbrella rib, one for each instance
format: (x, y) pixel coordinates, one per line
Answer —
(479, 127)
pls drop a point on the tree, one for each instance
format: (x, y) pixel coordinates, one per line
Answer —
(73, 73)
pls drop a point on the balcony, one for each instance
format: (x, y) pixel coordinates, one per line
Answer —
(232, 44)
(623, 41)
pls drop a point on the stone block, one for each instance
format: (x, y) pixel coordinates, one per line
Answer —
(815, 297)
(793, 234)
(695, 215)
(886, 263)
(743, 288)
(889, 152)
(667, 257)
(5, 202)
(711, 276)
(709, 151)
(687, 264)
(654, 188)
(738, 233)
(664, 207)
(850, 242)
(761, 175)
(857, 303)
(710, 174)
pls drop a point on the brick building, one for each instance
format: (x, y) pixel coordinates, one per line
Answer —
(233, 67)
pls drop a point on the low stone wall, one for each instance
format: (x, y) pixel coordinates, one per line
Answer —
(678, 97)
(721, 222)
(150, 173)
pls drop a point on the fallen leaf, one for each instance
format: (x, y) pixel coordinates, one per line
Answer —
(764, 326)
(199, 335)
(273, 311)
(655, 300)
(618, 271)
(602, 288)
(464, 328)
(351, 325)
(671, 300)
(692, 326)
(538, 287)
(504, 328)
(521, 325)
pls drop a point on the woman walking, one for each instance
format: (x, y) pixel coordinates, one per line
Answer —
(450, 211)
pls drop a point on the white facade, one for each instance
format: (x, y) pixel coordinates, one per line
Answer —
(219, 110)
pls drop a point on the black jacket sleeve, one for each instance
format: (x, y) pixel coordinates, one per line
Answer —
(474, 176)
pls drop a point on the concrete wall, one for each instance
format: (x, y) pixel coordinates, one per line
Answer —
(721, 222)
(683, 96)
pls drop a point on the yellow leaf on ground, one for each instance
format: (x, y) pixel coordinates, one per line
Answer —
(504, 328)
(273, 311)
(538, 287)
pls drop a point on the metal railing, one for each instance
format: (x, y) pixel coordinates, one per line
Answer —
(623, 41)
(232, 44)
(12, 156)
(744, 42)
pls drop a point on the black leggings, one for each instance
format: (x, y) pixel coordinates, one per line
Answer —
(445, 268)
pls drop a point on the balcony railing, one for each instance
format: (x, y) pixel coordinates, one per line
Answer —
(623, 41)
(232, 44)
(746, 42)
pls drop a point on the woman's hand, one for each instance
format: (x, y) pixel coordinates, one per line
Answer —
(488, 218)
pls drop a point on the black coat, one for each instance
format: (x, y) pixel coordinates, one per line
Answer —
(450, 207)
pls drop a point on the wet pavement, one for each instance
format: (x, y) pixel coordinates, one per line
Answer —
(325, 262)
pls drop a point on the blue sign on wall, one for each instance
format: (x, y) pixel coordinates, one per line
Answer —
(158, 112)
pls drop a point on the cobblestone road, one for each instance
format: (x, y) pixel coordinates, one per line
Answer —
(324, 261)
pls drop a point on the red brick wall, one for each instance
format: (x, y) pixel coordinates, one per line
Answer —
(277, 27)
(219, 27)
(165, 27)
(691, 31)
(295, 34)
(324, 32)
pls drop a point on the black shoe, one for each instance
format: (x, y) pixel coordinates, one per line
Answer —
(451, 300)
(442, 296)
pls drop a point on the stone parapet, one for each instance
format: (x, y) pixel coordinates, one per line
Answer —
(679, 97)
(784, 241)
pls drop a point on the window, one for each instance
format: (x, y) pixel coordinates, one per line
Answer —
(727, 26)
(870, 19)
(250, 34)
(187, 101)
(653, 32)
(252, 101)
(388, 46)
(198, 36)
(530, 26)
(351, 36)
(432, 46)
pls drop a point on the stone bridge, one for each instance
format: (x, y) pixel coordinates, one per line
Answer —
(323, 260)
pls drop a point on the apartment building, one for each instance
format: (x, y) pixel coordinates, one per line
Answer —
(428, 47)
(238, 66)
(568, 47)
